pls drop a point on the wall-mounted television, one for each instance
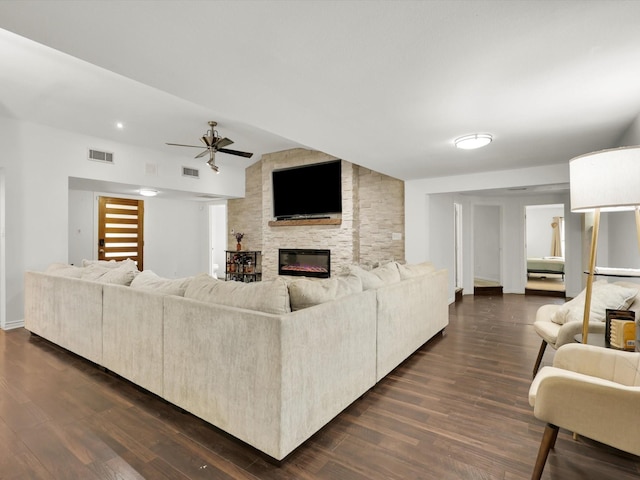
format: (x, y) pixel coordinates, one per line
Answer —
(307, 191)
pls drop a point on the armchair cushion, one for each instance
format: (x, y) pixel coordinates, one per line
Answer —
(604, 295)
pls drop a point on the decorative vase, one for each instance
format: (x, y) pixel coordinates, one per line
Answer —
(238, 247)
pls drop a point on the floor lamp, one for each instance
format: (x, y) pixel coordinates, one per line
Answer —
(604, 181)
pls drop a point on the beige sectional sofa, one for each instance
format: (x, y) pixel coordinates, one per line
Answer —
(271, 375)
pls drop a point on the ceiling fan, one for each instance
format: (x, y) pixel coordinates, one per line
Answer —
(214, 143)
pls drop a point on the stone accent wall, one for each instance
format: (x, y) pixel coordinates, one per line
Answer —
(244, 214)
(372, 210)
(381, 215)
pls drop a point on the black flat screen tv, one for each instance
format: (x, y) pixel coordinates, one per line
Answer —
(308, 191)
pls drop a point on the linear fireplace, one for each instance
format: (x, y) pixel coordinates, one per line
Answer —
(310, 263)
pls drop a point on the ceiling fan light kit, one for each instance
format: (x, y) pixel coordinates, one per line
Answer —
(471, 142)
(214, 143)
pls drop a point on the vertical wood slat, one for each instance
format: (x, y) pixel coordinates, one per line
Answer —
(109, 250)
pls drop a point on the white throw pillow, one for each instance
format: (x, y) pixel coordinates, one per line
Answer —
(110, 263)
(123, 274)
(378, 277)
(269, 296)
(149, 280)
(306, 292)
(64, 270)
(415, 270)
(603, 296)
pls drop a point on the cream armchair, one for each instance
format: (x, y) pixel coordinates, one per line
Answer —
(557, 335)
(557, 325)
(591, 391)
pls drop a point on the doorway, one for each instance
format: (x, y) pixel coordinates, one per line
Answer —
(121, 229)
(545, 250)
(487, 250)
(217, 239)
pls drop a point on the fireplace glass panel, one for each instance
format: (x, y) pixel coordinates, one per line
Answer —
(308, 263)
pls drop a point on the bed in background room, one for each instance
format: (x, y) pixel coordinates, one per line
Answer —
(549, 265)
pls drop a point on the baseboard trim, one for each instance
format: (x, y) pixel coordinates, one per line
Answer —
(13, 325)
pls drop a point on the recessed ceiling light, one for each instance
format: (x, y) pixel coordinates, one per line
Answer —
(119, 125)
(147, 192)
(469, 142)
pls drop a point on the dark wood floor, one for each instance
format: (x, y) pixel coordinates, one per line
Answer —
(457, 409)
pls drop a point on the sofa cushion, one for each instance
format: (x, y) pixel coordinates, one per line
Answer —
(306, 292)
(378, 277)
(415, 270)
(269, 296)
(110, 263)
(603, 296)
(64, 270)
(121, 275)
(149, 280)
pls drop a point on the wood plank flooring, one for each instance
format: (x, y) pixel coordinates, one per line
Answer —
(456, 409)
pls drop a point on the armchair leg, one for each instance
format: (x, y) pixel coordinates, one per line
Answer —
(547, 443)
(543, 347)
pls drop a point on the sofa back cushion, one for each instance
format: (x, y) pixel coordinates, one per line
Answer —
(378, 277)
(64, 270)
(306, 292)
(149, 280)
(415, 270)
(123, 274)
(269, 296)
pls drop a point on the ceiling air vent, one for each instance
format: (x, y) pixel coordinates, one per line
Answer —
(190, 172)
(100, 156)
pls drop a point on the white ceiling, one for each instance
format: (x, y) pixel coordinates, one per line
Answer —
(384, 84)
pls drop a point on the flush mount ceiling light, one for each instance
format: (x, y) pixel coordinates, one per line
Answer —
(469, 142)
(147, 192)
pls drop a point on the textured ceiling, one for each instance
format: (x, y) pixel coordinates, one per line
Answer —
(384, 84)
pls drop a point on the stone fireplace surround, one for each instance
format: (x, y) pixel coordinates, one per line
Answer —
(372, 210)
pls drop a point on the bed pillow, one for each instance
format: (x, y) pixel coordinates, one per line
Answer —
(306, 292)
(269, 296)
(149, 280)
(603, 296)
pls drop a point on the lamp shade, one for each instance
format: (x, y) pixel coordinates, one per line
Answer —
(608, 179)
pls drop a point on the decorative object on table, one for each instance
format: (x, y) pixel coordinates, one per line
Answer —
(611, 316)
(599, 182)
(239, 237)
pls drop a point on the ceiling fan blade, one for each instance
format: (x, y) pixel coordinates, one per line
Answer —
(236, 152)
(222, 142)
(181, 145)
(208, 141)
(201, 154)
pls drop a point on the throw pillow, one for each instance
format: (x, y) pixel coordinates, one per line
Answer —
(378, 277)
(64, 270)
(123, 274)
(415, 270)
(269, 296)
(603, 295)
(110, 263)
(149, 280)
(305, 292)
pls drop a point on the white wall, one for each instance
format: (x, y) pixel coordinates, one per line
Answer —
(38, 161)
(429, 212)
(175, 233)
(539, 231)
(487, 242)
